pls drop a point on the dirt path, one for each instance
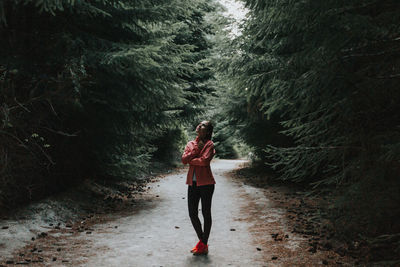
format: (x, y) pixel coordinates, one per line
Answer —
(161, 233)
(158, 232)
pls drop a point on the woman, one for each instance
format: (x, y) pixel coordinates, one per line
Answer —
(200, 180)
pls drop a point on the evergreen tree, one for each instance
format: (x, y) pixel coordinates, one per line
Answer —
(88, 87)
(196, 30)
(328, 72)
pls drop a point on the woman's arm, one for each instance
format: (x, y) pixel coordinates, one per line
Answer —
(190, 152)
(205, 157)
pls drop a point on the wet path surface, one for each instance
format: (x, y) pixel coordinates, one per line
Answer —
(161, 233)
(249, 228)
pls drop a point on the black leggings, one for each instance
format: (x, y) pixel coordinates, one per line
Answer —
(195, 193)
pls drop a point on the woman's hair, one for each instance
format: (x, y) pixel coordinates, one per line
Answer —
(210, 129)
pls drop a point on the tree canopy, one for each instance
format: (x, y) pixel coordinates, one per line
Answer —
(313, 87)
(97, 88)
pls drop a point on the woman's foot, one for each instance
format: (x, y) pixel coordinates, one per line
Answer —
(195, 247)
(201, 249)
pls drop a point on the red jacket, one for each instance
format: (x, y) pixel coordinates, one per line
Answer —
(199, 161)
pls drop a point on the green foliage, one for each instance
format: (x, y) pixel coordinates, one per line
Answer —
(319, 69)
(224, 141)
(240, 121)
(107, 84)
(324, 74)
(170, 145)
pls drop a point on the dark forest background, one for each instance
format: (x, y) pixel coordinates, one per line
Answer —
(103, 89)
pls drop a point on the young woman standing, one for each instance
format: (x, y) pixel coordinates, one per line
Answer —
(200, 180)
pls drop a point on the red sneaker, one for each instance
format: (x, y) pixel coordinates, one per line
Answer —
(201, 249)
(195, 247)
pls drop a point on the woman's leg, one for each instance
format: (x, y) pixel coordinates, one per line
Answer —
(206, 193)
(193, 205)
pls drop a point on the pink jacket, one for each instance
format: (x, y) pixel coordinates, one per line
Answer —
(199, 161)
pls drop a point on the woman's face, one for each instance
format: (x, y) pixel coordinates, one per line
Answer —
(201, 129)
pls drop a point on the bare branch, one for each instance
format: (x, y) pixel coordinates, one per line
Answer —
(61, 133)
(22, 106)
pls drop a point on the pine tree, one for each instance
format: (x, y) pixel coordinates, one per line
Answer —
(87, 87)
(328, 72)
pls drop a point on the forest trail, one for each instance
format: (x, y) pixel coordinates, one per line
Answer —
(158, 231)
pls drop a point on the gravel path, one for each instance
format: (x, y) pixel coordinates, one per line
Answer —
(248, 229)
(161, 233)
